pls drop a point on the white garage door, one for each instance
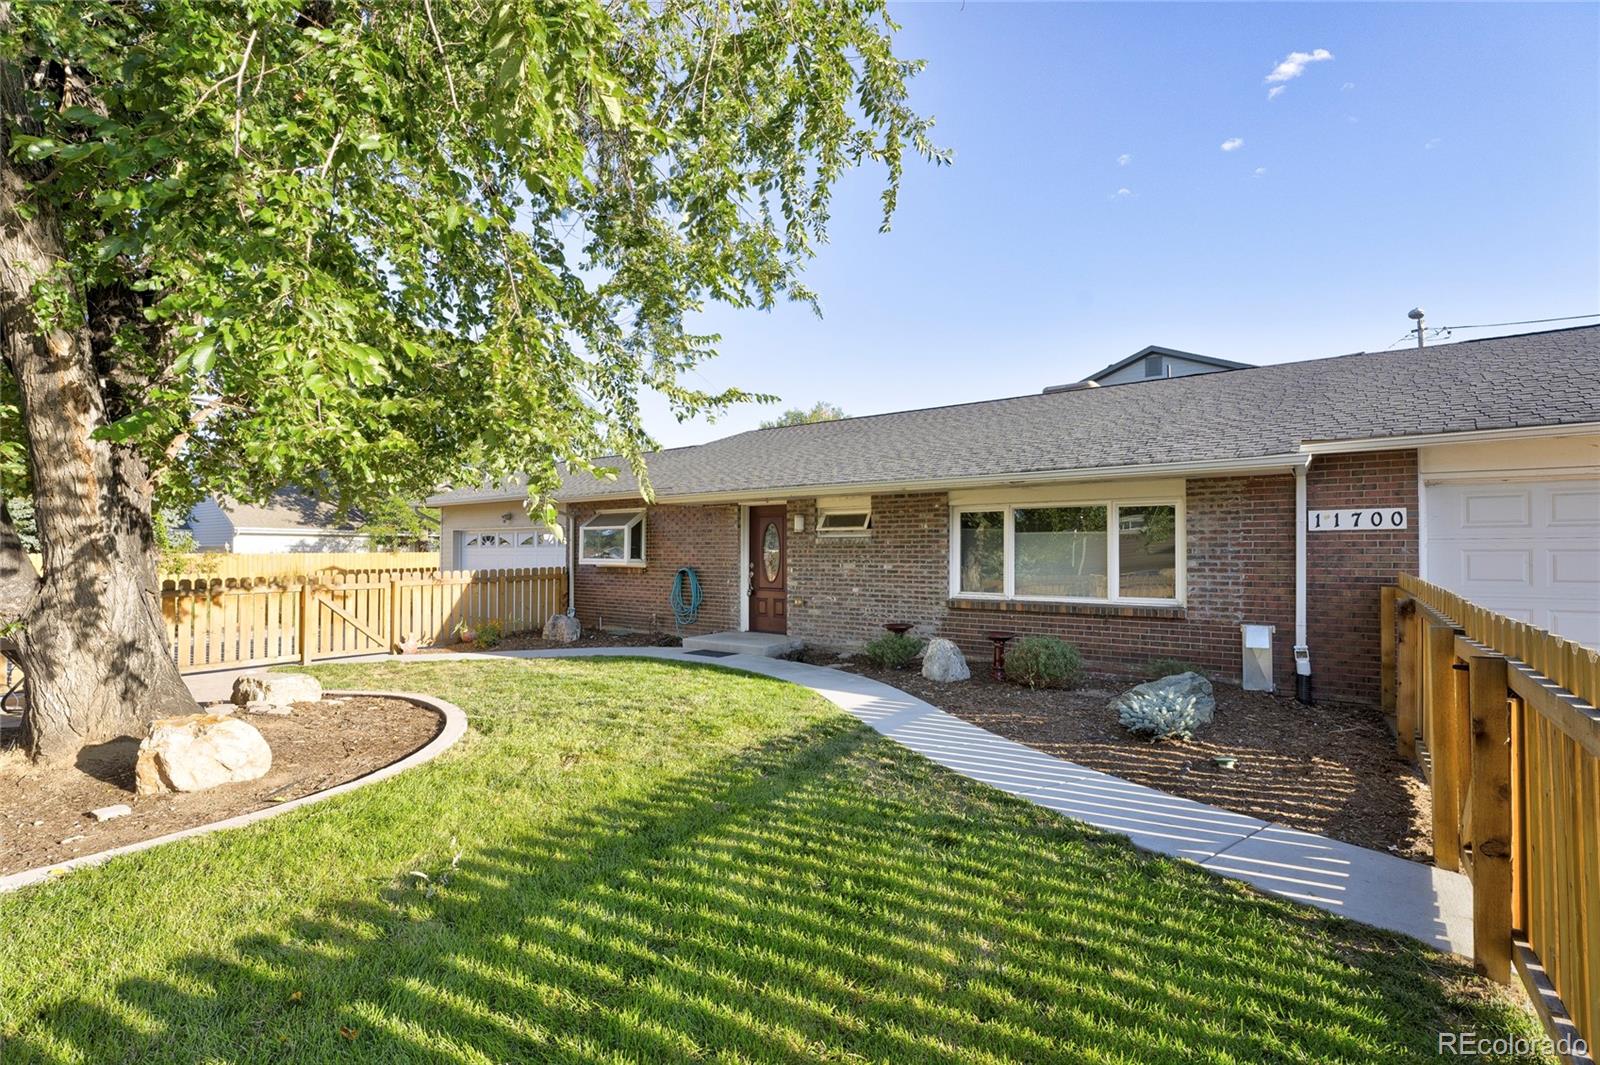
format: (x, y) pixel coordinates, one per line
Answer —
(1527, 549)
(509, 549)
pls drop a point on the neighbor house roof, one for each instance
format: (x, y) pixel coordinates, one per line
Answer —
(1243, 419)
(1157, 349)
(288, 508)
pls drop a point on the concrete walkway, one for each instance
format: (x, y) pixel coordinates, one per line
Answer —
(1364, 885)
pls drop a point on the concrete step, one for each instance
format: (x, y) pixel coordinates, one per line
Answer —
(766, 644)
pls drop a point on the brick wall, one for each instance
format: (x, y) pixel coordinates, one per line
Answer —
(1240, 568)
(842, 590)
(1344, 570)
(621, 597)
(1240, 550)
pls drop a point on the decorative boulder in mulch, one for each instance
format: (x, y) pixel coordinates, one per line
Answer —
(200, 751)
(943, 661)
(1190, 691)
(279, 689)
(562, 628)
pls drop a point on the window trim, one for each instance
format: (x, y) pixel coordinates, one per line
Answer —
(1113, 504)
(864, 529)
(633, 530)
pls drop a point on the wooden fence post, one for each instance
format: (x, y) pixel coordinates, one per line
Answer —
(1386, 647)
(1408, 684)
(394, 614)
(307, 605)
(1446, 718)
(1491, 817)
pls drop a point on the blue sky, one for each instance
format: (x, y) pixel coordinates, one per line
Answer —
(1440, 154)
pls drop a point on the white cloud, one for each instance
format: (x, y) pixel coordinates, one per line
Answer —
(1233, 144)
(1432, 143)
(1292, 66)
(1347, 86)
(1124, 159)
(1124, 193)
(1260, 171)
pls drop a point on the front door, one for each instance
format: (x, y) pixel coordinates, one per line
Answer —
(768, 570)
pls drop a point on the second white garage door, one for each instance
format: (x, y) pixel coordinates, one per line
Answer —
(1527, 549)
(509, 549)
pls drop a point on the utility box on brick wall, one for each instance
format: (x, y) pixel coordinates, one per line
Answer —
(1257, 671)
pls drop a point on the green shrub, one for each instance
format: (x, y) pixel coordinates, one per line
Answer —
(893, 651)
(1043, 662)
(1157, 668)
(1160, 715)
(489, 634)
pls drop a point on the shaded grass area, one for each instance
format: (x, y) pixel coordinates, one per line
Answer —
(643, 861)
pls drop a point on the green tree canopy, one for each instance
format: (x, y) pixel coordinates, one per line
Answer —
(821, 411)
(377, 247)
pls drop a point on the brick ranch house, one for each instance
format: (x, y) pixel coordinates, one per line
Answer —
(1137, 520)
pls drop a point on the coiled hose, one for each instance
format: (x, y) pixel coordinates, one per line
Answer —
(688, 613)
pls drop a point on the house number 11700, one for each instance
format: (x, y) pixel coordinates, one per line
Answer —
(1371, 519)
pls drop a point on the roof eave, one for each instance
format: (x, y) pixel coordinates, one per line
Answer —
(1466, 436)
(1278, 463)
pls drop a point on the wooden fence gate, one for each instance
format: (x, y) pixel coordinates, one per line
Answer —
(219, 624)
(1502, 718)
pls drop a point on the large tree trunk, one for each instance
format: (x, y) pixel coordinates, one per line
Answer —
(88, 633)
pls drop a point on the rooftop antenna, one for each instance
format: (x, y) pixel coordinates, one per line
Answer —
(1416, 315)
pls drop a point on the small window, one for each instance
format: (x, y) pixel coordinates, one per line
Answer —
(613, 538)
(844, 522)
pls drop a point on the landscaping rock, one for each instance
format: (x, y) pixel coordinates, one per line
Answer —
(943, 661)
(111, 813)
(562, 628)
(280, 689)
(1179, 686)
(269, 709)
(200, 751)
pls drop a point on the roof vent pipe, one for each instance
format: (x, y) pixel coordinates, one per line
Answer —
(1416, 314)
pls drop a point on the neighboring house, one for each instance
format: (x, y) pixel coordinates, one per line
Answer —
(1137, 521)
(1152, 364)
(289, 521)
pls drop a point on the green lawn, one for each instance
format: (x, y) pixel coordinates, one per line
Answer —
(660, 862)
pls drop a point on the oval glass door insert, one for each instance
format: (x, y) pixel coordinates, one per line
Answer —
(770, 552)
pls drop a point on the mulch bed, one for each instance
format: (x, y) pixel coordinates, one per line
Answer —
(531, 642)
(44, 813)
(1329, 768)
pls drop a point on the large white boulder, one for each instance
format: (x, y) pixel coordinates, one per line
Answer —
(200, 751)
(278, 689)
(943, 661)
(562, 628)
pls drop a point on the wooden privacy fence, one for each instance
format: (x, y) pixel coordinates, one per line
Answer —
(213, 565)
(1502, 718)
(219, 624)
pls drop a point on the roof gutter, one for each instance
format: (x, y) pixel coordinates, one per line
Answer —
(1253, 464)
(1469, 436)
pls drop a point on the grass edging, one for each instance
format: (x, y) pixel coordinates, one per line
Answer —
(454, 727)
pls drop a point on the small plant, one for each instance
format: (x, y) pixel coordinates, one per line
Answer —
(1043, 662)
(893, 651)
(488, 635)
(465, 631)
(1160, 715)
(1157, 668)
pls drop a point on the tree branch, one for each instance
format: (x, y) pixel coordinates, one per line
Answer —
(450, 82)
(238, 92)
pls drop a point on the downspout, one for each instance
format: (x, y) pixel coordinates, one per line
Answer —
(572, 565)
(1302, 652)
